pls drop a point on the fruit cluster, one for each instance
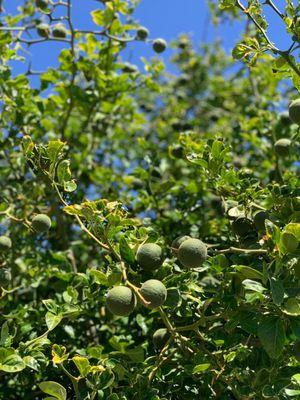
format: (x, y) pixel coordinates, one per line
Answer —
(190, 252)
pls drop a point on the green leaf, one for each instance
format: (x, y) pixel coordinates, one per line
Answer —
(277, 291)
(126, 252)
(52, 320)
(82, 364)
(70, 186)
(198, 369)
(248, 272)
(53, 149)
(291, 307)
(271, 333)
(54, 389)
(253, 286)
(63, 171)
(31, 362)
(136, 355)
(99, 277)
(12, 363)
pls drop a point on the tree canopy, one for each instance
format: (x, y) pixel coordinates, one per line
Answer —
(149, 221)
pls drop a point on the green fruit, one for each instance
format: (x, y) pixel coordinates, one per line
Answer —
(282, 147)
(159, 45)
(154, 292)
(294, 111)
(43, 30)
(121, 301)
(5, 243)
(142, 33)
(149, 256)
(179, 240)
(289, 241)
(59, 31)
(242, 226)
(285, 118)
(259, 220)
(297, 350)
(42, 4)
(129, 68)
(192, 253)
(160, 338)
(41, 223)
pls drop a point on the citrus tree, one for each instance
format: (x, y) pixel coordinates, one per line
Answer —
(149, 222)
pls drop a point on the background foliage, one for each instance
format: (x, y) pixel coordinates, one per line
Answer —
(117, 157)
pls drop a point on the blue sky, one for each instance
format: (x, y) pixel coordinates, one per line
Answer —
(164, 18)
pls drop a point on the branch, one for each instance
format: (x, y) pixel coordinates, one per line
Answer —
(243, 251)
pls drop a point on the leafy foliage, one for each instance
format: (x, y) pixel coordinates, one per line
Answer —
(118, 159)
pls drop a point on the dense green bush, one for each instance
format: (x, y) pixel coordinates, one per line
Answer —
(150, 223)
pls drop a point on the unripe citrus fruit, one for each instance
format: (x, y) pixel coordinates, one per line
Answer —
(242, 226)
(121, 300)
(259, 220)
(129, 68)
(294, 111)
(160, 338)
(5, 243)
(149, 256)
(43, 30)
(142, 33)
(179, 240)
(41, 223)
(42, 4)
(59, 31)
(159, 45)
(154, 292)
(192, 253)
(282, 147)
(289, 241)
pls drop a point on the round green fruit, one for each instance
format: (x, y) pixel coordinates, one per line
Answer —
(285, 118)
(294, 111)
(297, 350)
(179, 240)
(129, 68)
(154, 292)
(192, 253)
(42, 4)
(242, 226)
(121, 301)
(259, 218)
(149, 256)
(41, 223)
(59, 31)
(289, 241)
(142, 33)
(159, 45)
(5, 243)
(160, 338)
(282, 147)
(43, 30)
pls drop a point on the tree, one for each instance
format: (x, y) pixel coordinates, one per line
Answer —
(111, 176)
